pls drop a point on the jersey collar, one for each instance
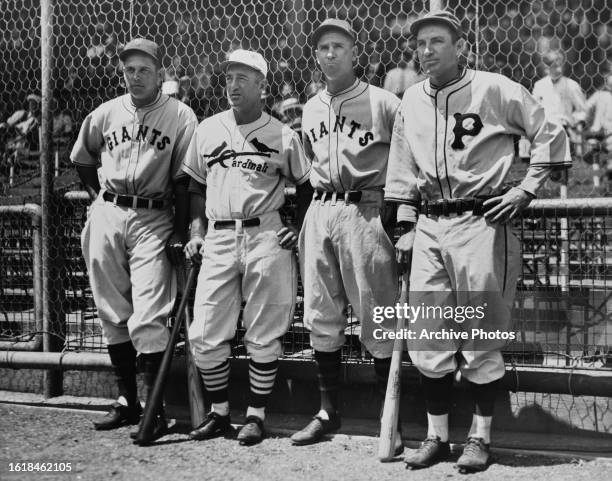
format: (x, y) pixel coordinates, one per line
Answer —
(326, 96)
(465, 77)
(263, 119)
(132, 108)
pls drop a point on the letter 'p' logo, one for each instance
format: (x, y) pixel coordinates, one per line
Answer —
(460, 131)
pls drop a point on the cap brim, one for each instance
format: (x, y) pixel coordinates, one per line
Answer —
(318, 33)
(227, 63)
(418, 24)
(125, 53)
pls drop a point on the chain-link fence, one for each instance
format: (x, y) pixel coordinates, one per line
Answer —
(563, 307)
(511, 37)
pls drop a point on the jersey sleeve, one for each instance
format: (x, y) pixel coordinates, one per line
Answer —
(525, 116)
(402, 170)
(192, 165)
(392, 108)
(187, 125)
(297, 167)
(89, 143)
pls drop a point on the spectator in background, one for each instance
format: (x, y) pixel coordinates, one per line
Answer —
(561, 97)
(23, 124)
(599, 109)
(316, 84)
(403, 75)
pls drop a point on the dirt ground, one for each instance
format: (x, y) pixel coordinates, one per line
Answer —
(36, 434)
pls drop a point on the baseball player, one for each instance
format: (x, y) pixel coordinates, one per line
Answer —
(451, 151)
(239, 161)
(345, 253)
(138, 142)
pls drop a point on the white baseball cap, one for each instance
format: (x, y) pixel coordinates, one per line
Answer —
(249, 58)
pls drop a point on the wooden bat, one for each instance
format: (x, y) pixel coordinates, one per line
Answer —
(195, 386)
(388, 422)
(154, 402)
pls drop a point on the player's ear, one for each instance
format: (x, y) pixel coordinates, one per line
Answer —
(460, 46)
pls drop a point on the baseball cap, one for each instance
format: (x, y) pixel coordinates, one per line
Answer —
(141, 45)
(333, 24)
(34, 97)
(437, 16)
(249, 58)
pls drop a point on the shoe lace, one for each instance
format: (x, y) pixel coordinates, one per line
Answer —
(430, 443)
(473, 446)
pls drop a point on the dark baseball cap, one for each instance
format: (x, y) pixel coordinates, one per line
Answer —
(443, 17)
(141, 45)
(333, 24)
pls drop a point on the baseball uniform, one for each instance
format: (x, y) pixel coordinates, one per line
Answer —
(455, 142)
(139, 153)
(563, 100)
(345, 254)
(244, 168)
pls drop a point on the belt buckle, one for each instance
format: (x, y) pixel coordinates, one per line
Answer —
(445, 207)
(425, 207)
(334, 196)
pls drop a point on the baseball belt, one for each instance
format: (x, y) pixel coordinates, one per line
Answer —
(133, 201)
(231, 224)
(446, 207)
(351, 197)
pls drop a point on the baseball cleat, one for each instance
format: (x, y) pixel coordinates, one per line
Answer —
(431, 451)
(213, 425)
(252, 432)
(160, 429)
(119, 416)
(315, 430)
(475, 456)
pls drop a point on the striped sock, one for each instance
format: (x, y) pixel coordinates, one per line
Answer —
(216, 381)
(261, 381)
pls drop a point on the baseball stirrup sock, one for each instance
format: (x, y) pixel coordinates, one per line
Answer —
(261, 382)
(484, 397)
(150, 367)
(381, 368)
(216, 381)
(123, 359)
(329, 379)
(437, 393)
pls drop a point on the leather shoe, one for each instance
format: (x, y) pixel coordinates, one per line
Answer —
(160, 429)
(213, 425)
(475, 456)
(430, 452)
(252, 432)
(119, 416)
(315, 430)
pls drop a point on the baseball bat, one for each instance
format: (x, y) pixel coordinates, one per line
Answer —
(154, 402)
(195, 386)
(388, 422)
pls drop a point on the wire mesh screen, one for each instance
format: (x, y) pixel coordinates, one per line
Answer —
(561, 306)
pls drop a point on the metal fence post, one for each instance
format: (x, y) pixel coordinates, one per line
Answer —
(52, 339)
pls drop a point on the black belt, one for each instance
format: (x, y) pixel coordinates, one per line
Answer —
(231, 224)
(353, 196)
(445, 207)
(133, 201)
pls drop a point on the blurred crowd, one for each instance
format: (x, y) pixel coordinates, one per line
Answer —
(514, 38)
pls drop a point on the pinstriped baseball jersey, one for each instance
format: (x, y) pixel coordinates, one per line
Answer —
(140, 150)
(347, 137)
(245, 166)
(457, 141)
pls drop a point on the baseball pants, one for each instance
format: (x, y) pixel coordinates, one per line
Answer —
(243, 263)
(458, 257)
(346, 257)
(132, 280)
